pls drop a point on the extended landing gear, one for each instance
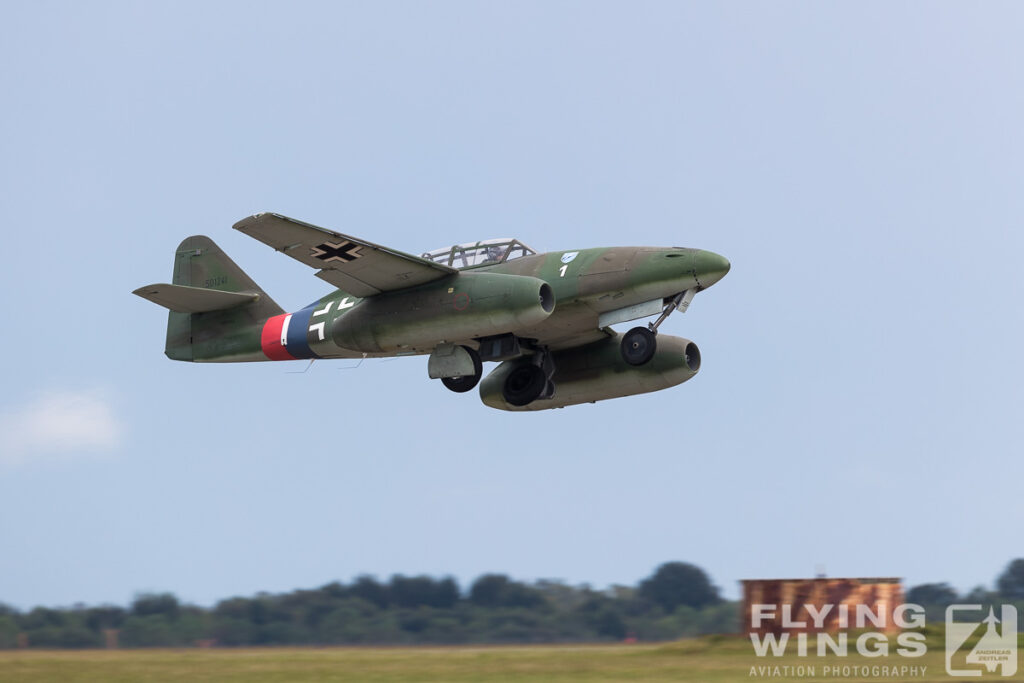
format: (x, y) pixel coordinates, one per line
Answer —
(530, 381)
(464, 383)
(458, 367)
(524, 385)
(640, 343)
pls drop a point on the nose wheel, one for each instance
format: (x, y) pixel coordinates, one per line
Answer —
(640, 343)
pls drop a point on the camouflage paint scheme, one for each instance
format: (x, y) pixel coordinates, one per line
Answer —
(543, 309)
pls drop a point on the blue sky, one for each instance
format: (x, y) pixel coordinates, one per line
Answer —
(858, 405)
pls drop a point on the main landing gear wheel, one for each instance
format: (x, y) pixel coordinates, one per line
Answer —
(638, 346)
(461, 385)
(524, 385)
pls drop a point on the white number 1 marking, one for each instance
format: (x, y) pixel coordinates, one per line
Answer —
(562, 270)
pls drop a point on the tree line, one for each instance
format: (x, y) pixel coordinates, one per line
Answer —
(1009, 588)
(677, 600)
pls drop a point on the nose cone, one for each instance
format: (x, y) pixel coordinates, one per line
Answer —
(709, 268)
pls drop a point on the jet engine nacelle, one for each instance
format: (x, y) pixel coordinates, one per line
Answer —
(465, 306)
(597, 372)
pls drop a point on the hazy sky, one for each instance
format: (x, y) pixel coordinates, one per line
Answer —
(859, 404)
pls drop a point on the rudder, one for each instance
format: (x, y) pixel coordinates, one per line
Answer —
(232, 334)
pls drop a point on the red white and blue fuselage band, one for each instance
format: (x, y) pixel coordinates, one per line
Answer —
(286, 336)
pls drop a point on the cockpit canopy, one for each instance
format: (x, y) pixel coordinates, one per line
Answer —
(482, 253)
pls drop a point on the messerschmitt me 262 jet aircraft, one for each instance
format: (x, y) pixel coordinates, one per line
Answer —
(545, 317)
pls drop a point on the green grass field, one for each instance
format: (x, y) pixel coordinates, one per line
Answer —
(706, 659)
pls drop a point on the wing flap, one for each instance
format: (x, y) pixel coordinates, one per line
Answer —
(185, 299)
(348, 283)
(351, 264)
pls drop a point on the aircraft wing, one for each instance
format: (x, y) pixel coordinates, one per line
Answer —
(353, 265)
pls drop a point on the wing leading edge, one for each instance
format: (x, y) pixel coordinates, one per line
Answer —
(353, 265)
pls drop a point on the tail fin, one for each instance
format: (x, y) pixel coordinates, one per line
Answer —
(216, 310)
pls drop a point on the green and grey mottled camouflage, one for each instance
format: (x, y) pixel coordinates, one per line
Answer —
(546, 317)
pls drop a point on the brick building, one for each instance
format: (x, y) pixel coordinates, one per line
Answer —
(879, 596)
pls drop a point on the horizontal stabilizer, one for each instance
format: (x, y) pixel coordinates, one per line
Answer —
(194, 299)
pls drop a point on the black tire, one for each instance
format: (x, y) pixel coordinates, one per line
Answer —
(461, 385)
(638, 346)
(524, 385)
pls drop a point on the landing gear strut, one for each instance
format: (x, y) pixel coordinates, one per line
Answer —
(640, 343)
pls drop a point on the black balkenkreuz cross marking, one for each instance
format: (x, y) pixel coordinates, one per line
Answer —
(343, 252)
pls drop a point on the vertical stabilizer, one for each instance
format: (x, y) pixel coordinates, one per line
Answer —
(226, 335)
